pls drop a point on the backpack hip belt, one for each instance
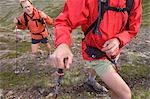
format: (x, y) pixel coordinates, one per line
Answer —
(39, 33)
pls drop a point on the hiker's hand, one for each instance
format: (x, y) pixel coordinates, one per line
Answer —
(15, 20)
(62, 52)
(42, 14)
(111, 47)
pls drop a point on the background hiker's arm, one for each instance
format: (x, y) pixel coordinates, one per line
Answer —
(134, 24)
(46, 18)
(21, 23)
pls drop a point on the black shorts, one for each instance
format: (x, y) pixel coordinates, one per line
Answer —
(44, 40)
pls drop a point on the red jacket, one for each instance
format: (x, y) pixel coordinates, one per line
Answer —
(84, 12)
(34, 25)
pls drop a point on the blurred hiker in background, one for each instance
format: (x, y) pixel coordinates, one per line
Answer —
(36, 21)
(108, 25)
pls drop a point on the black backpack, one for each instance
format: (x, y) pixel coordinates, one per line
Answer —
(102, 7)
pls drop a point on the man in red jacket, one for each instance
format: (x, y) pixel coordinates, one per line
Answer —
(116, 28)
(35, 20)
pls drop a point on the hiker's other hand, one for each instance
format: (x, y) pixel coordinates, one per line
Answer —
(111, 47)
(42, 14)
(61, 53)
(15, 20)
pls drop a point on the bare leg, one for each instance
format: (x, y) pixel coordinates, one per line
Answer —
(114, 96)
(114, 81)
(48, 48)
(34, 48)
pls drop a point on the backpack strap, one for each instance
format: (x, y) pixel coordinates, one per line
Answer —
(41, 20)
(129, 5)
(25, 19)
(102, 7)
(90, 27)
(96, 23)
(95, 30)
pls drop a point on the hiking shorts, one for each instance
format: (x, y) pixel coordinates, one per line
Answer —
(100, 66)
(44, 40)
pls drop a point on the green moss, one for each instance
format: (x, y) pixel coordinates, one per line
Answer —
(82, 95)
(17, 48)
(7, 20)
(145, 14)
(136, 69)
(53, 12)
(7, 43)
(9, 55)
(72, 77)
(12, 80)
(134, 72)
(141, 93)
(4, 40)
(23, 47)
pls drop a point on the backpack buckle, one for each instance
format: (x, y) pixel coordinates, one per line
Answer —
(119, 9)
(104, 1)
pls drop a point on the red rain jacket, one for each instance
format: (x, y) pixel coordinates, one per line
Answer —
(35, 27)
(84, 12)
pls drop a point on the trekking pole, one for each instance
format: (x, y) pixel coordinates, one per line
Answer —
(16, 42)
(60, 74)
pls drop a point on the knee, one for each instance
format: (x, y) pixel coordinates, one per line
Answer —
(126, 94)
(48, 46)
(34, 53)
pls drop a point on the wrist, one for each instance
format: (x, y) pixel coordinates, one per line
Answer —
(62, 45)
(119, 42)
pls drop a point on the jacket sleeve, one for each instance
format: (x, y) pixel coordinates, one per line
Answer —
(74, 14)
(135, 18)
(21, 23)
